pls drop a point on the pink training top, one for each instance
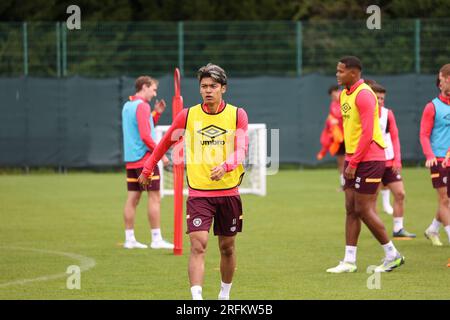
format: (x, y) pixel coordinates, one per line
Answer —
(367, 150)
(145, 131)
(238, 157)
(426, 127)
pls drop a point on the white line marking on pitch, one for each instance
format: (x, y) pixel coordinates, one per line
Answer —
(86, 263)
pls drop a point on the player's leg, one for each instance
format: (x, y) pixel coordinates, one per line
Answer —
(129, 217)
(364, 207)
(196, 267)
(227, 265)
(444, 210)
(386, 200)
(199, 215)
(352, 231)
(437, 179)
(133, 197)
(154, 219)
(368, 177)
(398, 190)
(227, 223)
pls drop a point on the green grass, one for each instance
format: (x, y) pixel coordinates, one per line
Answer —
(290, 237)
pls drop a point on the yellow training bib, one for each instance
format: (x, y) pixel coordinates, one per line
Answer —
(352, 120)
(209, 141)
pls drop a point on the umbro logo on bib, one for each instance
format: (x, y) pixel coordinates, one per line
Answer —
(345, 107)
(212, 131)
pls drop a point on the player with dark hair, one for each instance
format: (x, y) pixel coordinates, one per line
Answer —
(216, 141)
(435, 140)
(364, 166)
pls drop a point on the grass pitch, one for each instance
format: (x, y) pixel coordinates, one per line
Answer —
(51, 221)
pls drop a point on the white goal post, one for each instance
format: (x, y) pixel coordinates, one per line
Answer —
(254, 181)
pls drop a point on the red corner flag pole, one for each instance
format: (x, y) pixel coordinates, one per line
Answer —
(178, 172)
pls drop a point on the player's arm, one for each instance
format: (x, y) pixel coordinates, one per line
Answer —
(393, 130)
(426, 127)
(142, 116)
(366, 104)
(174, 133)
(325, 140)
(240, 151)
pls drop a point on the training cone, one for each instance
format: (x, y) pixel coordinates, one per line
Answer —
(448, 264)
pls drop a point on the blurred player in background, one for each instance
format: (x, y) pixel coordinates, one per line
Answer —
(365, 162)
(138, 125)
(332, 137)
(216, 142)
(392, 178)
(435, 140)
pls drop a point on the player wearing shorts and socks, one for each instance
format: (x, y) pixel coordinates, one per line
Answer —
(392, 178)
(216, 142)
(435, 140)
(138, 124)
(364, 166)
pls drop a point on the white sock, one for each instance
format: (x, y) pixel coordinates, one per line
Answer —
(350, 254)
(342, 179)
(447, 229)
(386, 195)
(224, 293)
(398, 224)
(156, 235)
(389, 250)
(434, 226)
(129, 235)
(196, 292)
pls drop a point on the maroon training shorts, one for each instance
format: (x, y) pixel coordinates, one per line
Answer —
(390, 176)
(132, 180)
(341, 150)
(226, 212)
(368, 176)
(439, 176)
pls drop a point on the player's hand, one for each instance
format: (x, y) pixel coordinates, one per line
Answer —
(144, 181)
(396, 168)
(160, 106)
(320, 155)
(217, 173)
(165, 161)
(349, 172)
(446, 160)
(431, 162)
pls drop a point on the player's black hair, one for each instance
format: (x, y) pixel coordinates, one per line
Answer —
(351, 62)
(376, 87)
(212, 71)
(332, 88)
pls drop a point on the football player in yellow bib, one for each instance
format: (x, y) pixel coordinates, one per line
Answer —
(364, 166)
(216, 142)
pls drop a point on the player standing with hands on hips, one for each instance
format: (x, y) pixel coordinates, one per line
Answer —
(216, 142)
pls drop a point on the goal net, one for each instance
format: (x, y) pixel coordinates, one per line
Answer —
(254, 181)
